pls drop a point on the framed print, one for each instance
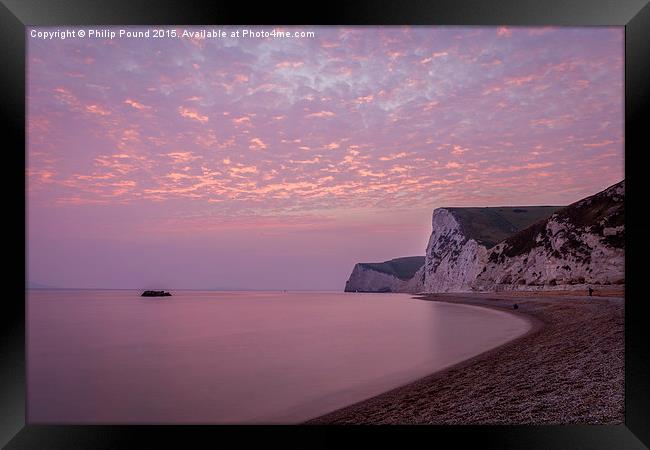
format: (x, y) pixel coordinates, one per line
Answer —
(288, 228)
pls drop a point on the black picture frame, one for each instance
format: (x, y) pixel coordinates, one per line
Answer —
(634, 15)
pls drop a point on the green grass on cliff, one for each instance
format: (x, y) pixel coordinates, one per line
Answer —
(491, 225)
(402, 268)
(596, 212)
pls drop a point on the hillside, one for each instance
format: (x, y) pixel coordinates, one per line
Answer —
(581, 244)
(388, 276)
(490, 225)
(402, 268)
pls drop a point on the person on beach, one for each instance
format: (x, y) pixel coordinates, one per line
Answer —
(591, 291)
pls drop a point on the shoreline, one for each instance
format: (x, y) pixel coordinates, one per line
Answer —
(568, 368)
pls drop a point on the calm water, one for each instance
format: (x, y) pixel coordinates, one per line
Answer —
(237, 357)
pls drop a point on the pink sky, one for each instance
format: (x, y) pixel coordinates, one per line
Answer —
(280, 163)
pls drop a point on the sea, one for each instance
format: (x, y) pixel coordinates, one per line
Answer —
(208, 357)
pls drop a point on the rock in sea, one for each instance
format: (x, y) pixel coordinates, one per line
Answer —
(155, 294)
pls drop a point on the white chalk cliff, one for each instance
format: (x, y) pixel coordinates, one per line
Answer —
(511, 248)
(453, 260)
(578, 246)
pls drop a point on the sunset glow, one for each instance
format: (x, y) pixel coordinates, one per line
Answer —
(280, 163)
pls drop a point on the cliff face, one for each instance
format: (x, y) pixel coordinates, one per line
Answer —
(452, 258)
(460, 238)
(582, 244)
(511, 248)
(396, 275)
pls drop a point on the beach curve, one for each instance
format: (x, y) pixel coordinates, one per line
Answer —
(568, 368)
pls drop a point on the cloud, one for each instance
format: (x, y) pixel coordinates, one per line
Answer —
(289, 64)
(259, 103)
(257, 144)
(599, 144)
(370, 173)
(518, 81)
(96, 109)
(458, 150)
(306, 161)
(553, 122)
(136, 105)
(182, 157)
(393, 156)
(364, 99)
(120, 162)
(65, 96)
(192, 114)
(321, 114)
(430, 105)
(239, 170)
(433, 56)
(491, 90)
(242, 120)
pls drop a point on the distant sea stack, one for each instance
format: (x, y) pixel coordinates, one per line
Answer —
(512, 248)
(396, 275)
